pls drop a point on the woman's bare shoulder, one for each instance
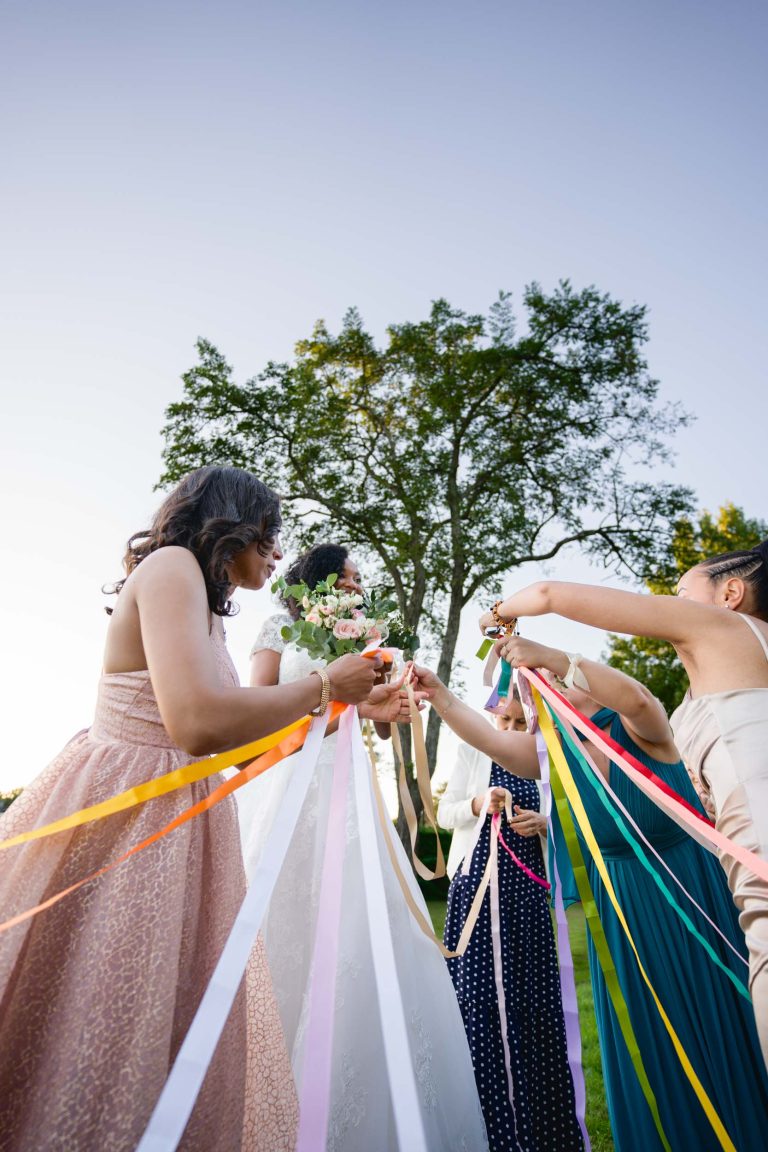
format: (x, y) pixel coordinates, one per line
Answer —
(166, 562)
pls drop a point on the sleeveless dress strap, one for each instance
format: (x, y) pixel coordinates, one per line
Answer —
(763, 642)
(601, 719)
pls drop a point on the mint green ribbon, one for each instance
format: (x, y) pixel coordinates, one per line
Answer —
(505, 680)
(602, 948)
(599, 787)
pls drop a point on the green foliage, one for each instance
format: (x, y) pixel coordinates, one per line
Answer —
(427, 849)
(383, 607)
(7, 798)
(456, 450)
(654, 662)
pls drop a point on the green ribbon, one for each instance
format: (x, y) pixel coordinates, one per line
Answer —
(602, 948)
(605, 799)
(484, 648)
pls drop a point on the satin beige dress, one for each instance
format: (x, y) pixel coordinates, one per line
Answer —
(97, 992)
(723, 738)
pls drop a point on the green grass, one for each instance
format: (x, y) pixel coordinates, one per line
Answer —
(597, 1112)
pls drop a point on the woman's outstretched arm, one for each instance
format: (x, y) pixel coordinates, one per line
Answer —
(641, 713)
(633, 613)
(515, 751)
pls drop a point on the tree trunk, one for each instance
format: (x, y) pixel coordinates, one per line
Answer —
(413, 788)
(444, 668)
(445, 664)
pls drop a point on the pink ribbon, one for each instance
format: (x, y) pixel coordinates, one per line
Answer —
(638, 832)
(648, 782)
(497, 968)
(524, 867)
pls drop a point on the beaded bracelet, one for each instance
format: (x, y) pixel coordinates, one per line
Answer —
(507, 627)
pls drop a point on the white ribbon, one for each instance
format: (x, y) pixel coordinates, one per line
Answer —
(397, 1050)
(315, 1081)
(177, 1099)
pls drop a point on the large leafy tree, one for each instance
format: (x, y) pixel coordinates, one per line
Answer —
(654, 662)
(457, 450)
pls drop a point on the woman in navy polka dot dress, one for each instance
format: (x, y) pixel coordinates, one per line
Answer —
(540, 1116)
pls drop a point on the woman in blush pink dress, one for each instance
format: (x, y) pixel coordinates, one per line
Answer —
(98, 991)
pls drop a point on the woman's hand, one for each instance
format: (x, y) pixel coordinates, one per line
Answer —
(526, 822)
(495, 804)
(424, 681)
(522, 653)
(352, 678)
(487, 621)
(388, 704)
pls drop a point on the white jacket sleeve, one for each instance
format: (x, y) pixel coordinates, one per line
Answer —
(455, 807)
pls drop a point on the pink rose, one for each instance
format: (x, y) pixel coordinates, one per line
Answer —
(313, 617)
(347, 630)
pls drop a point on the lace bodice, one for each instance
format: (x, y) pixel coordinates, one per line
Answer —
(295, 663)
(269, 637)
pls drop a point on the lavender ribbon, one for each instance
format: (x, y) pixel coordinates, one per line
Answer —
(565, 959)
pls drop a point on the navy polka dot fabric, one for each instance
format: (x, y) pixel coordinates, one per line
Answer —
(542, 1117)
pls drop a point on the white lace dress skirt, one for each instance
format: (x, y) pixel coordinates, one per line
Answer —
(362, 1108)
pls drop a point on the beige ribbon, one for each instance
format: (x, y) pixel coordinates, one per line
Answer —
(422, 921)
(490, 667)
(425, 790)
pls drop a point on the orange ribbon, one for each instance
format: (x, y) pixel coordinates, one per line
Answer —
(286, 747)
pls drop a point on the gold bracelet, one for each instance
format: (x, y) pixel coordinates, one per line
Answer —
(325, 691)
(508, 627)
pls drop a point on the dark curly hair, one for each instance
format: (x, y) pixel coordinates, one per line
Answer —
(314, 565)
(215, 513)
(750, 565)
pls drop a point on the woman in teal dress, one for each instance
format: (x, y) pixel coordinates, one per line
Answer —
(714, 1022)
(712, 1019)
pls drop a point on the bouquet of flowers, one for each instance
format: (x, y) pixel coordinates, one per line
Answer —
(334, 622)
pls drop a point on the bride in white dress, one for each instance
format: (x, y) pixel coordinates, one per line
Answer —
(361, 1106)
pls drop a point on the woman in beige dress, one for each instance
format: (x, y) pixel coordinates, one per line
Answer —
(718, 624)
(98, 991)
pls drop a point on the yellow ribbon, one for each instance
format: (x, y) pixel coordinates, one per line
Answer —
(190, 774)
(566, 777)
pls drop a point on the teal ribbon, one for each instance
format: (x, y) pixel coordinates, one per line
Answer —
(602, 948)
(505, 680)
(609, 806)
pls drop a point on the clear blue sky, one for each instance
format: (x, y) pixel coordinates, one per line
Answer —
(238, 170)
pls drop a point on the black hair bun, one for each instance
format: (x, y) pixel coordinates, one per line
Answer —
(762, 551)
